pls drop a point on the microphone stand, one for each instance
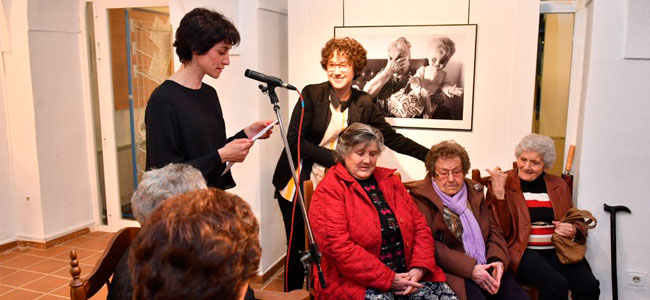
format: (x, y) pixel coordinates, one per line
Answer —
(312, 255)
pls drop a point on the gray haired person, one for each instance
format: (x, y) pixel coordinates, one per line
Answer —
(157, 185)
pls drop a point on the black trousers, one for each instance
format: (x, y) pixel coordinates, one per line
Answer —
(543, 270)
(294, 271)
(509, 289)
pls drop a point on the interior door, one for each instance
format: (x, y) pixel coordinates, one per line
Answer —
(133, 45)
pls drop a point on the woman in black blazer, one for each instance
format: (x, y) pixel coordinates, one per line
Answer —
(329, 108)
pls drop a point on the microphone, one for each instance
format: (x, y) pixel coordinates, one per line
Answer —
(270, 80)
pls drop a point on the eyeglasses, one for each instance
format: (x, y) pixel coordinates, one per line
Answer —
(454, 173)
(344, 67)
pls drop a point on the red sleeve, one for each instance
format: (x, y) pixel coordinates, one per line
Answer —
(329, 223)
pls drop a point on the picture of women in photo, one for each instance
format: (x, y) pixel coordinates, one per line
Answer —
(419, 76)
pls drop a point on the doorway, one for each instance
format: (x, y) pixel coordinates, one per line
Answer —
(130, 55)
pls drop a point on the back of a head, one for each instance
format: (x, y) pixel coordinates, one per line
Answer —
(202, 244)
(158, 185)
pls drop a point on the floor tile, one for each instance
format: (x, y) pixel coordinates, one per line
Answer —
(23, 261)
(63, 291)
(51, 252)
(81, 254)
(5, 289)
(90, 260)
(65, 272)
(18, 294)
(52, 297)
(4, 271)
(95, 244)
(47, 266)
(46, 284)
(100, 235)
(20, 278)
(77, 242)
(9, 255)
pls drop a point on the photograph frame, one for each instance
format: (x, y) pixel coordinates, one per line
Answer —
(450, 111)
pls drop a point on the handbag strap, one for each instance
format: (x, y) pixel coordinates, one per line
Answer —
(585, 216)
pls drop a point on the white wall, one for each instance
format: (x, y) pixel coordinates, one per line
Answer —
(21, 128)
(612, 153)
(505, 66)
(7, 220)
(54, 48)
(50, 185)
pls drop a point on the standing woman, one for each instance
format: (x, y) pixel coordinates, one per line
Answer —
(183, 117)
(329, 108)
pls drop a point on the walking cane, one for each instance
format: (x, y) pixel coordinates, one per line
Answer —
(612, 226)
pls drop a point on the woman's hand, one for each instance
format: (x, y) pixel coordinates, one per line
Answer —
(497, 271)
(254, 128)
(498, 180)
(235, 151)
(484, 279)
(396, 64)
(565, 229)
(401, 284)
(414, 275)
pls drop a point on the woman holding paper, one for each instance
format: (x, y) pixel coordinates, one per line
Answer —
(183, 117)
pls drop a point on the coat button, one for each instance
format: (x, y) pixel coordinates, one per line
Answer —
(401, 220)
(408, 244)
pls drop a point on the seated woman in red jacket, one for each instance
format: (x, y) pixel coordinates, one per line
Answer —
(374, 241)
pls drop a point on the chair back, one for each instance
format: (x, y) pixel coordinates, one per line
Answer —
(84, 288)
(476, 175)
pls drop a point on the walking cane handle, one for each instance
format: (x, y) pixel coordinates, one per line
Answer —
(616, 208)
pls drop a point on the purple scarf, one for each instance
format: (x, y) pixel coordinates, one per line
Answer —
(472, 238)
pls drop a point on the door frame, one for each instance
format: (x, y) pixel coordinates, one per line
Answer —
(106, 107)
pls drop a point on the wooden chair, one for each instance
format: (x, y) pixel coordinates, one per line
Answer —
(476, 175)
(84, 288)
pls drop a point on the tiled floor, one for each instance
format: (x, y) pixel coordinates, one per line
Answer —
(27, 273)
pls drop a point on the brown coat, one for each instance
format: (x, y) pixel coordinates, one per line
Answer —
(514, 219)
(450, 254)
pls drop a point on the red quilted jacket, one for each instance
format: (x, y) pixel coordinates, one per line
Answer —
(346, 227)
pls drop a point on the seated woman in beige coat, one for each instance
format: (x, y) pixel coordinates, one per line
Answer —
(469, 246)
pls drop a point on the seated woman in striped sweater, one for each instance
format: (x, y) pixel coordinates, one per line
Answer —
(528, 203)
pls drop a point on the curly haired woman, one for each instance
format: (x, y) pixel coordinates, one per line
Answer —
(329, 108)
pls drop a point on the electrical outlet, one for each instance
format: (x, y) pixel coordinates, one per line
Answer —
(636, 278)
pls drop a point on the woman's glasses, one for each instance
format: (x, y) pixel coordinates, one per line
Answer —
(445, 173)
(343, 67)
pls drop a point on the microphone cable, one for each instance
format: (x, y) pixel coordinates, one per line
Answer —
(295, 197)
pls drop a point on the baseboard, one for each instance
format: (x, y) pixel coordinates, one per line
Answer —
(270, 272)
(8, 245)
(44, 244)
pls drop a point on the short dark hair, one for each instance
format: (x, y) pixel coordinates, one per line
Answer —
(201, 29)
(203, 244)
(446, 149)
(348, 47)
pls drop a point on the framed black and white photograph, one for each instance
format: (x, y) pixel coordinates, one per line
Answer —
(419, 76)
